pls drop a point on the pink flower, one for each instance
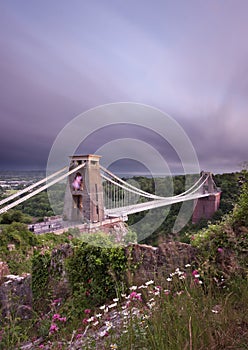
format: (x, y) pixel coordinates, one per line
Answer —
(135, 295)
(220, 250)
(41, 346)
(56, 317)
(53, 328)
(87, 311)
(195, 273)
(57, 301)
(62, 319)
(78, 336)
(85, 321)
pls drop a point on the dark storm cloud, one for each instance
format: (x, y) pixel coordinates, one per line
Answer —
(187, 58)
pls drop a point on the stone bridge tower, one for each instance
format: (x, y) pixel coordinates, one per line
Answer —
(206, 207)
(84, 192)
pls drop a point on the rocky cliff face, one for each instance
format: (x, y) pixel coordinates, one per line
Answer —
(144, 262)
(147, 262)
(16, 296)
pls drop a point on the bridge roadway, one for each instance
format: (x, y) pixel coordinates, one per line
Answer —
(136, 208)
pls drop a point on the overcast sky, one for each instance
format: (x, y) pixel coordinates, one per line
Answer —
(60, 58)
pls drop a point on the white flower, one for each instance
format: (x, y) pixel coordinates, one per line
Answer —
(91, 319)
(116, 299)
(133, 288)
(215, 311)
(123, 295)
(169, 279)
(112, 305)
(149, 282)
(98, 315)
(109, 325)
(187, 265)
(103, 333)
(142, 286)
(95, 323)
(102, 307)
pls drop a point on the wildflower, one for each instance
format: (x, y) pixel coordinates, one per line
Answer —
(220, 250)
(91, 319)
(102, 307)
(103, 333)
(187, 265)
(143, 286)
(169, 279)
(109, 325)
(133, 288)
(62, 319)
(56, 317)
(79, 335)
(85, 321)
(87, 311)
(113, 346)
(95, 323)
(112, 305)
(182, 277)
(123, 295)
(135, 295)
(195, 274)
(149, 282)
(116, 299)
(158, 288)
(53, 328)
(41, 346)
(166, 291)
(56, 301)
(98, 315)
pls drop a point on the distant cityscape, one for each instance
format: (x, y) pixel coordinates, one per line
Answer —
(17, 180)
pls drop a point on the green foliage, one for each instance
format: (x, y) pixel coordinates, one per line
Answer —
(95, 274)
(223, 246)
(15, 216)
(130, 237)
(16, 246)
(40, 278)
(240, 215)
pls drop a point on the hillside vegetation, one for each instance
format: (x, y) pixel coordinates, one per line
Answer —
(201, 305)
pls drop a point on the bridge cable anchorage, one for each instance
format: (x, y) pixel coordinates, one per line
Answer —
(5, 200)
(30, 195)
(143, 193)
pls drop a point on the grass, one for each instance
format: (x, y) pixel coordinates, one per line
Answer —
(179, 312)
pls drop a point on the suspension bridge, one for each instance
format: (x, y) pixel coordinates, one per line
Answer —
(94, 194)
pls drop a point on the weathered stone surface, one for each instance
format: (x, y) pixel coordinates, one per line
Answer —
(4, 269)
(16, 296)
(147, 262)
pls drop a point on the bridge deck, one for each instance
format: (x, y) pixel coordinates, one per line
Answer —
(138, 207)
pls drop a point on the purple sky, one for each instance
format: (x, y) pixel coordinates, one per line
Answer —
(60, 58)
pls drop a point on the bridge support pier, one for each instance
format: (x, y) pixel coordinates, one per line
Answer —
(84, 192)
(206, 207)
